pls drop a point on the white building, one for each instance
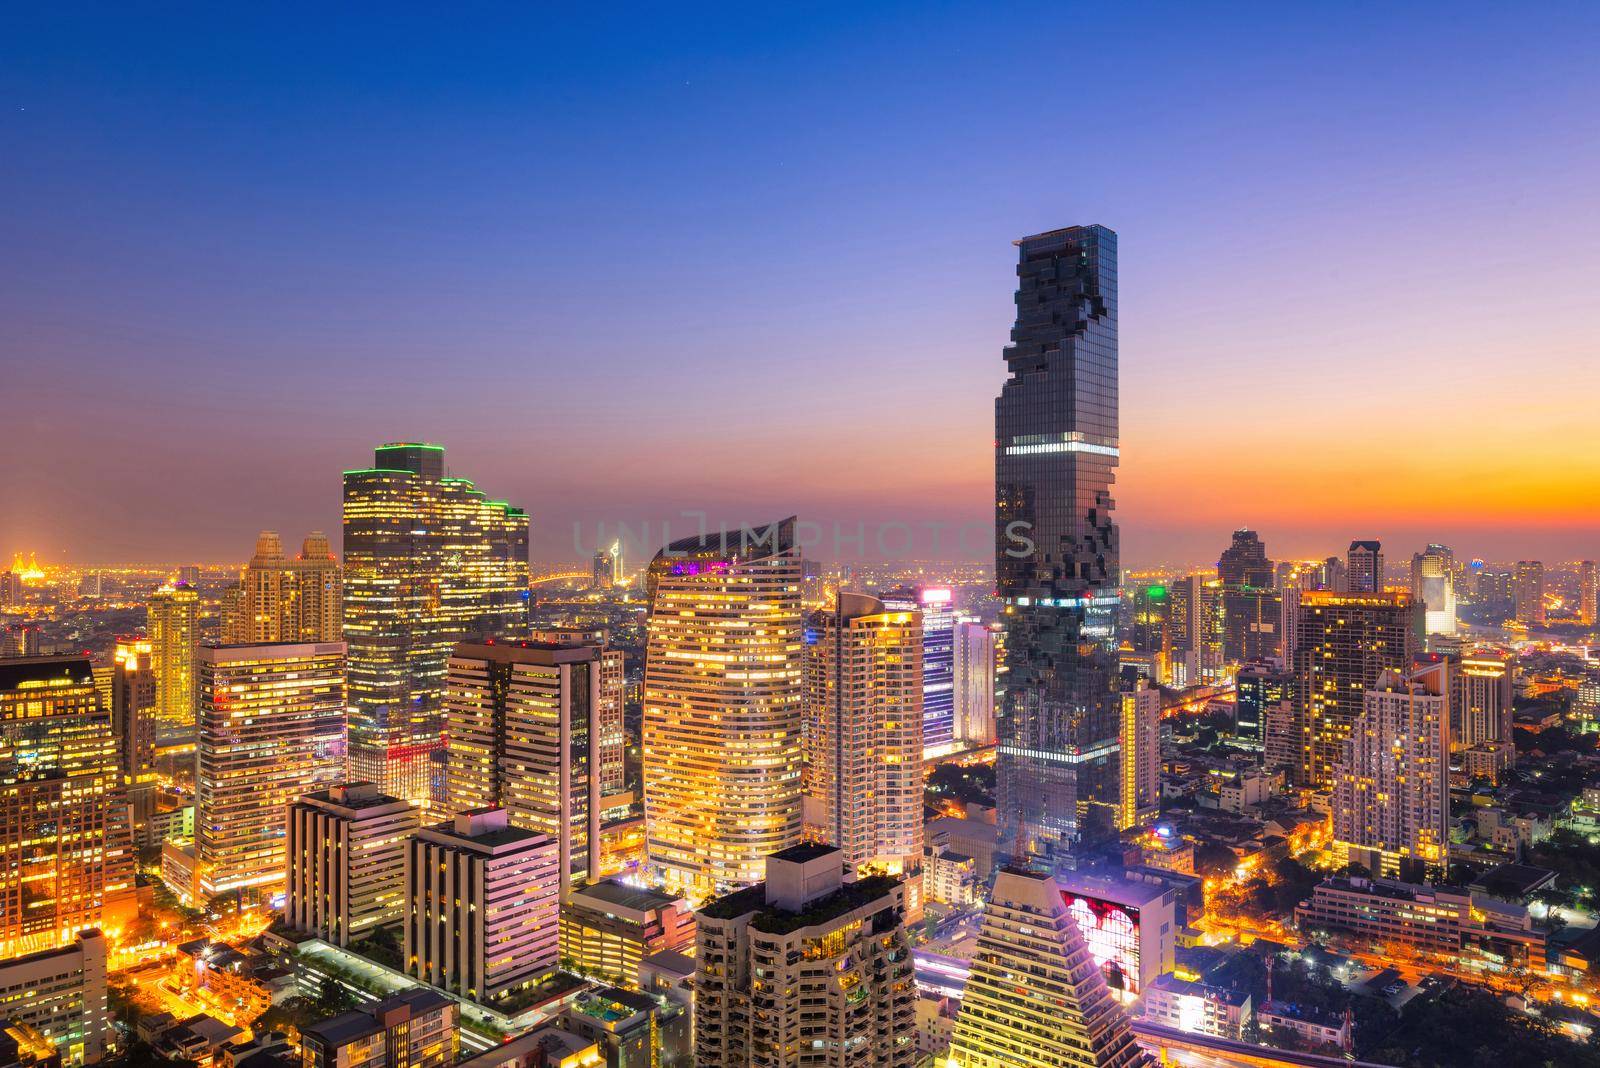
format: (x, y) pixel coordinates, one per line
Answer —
(61, 993)
(1196, 1008)
(346, 867)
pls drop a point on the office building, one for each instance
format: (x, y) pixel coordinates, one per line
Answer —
(1258, 687)
(1433, 582)
(611, 741)
(936, 607)
(1588, 592)
(173, 623)
(346, 862)
(482, 906)
(1244, 562)
(722, 708)
(1343, 644)
(608, 928)
(863, 697)
(1056, 549)
(1141, 756)
(1036, 994)
(65, 843)
(283, 600)
(806, 969)
(1391, 793)
(1528, 592)
(522, 718)
(1251, 620)
(973, 662)
(61, 994)
(412, 1029)
(1364, 567)
(261, 709)
(1129, 925)
(428, 560)
(1335, 575)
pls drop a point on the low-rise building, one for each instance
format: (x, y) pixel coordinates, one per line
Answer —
(549, 1046)
(413, 1029)
(623, 1023)
(608, 927)
(950, 878)
(1312, 1026)
(1195, 1007)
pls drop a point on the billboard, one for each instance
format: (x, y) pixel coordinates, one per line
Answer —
(1111, 931)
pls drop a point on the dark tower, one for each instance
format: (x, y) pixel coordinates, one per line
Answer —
(1056, 563)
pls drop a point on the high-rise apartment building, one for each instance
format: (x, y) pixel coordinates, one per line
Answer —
(1433, 582)
(863, 733)
(937, 608)
(1335, 575)
(346, 861)
(1141, 756)
(283, 600)
(1258, 687)
(1528, 592)
(975, 681)
(173, 623)
(522, 720)
(1036, 994)
(1391, 792)
(1364, 567)
(722, 708)
(1588, 592)
(411, 1029)
(262, 708)
(429, 560)
(1056, 548)
(1343, 644)
(1483, 708)
(805, 969)
(482, 906)
(66, 860)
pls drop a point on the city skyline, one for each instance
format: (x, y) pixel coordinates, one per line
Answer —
(371, 239)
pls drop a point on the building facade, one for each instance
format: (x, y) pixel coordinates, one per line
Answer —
(428, 560)
(1056, 548)
(1528, 592)
(1364, 567)
(973, 661)
(283, 600)
(61, 994)
(1433, 582)
(805, 969)
(722, 708)
(936, 607)
(1141, 756)
(608, 928)
(863, 733)
(522, 720)
(411, 1029)
(173, 622)
(482, 906)
(346, 861)
(262, 709)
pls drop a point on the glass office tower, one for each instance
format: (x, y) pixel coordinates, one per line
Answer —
(429, 560)
(1056, 560)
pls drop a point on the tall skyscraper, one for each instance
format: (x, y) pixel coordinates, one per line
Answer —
(1335, 575)
(1141, 756)
(429, 560)
(973, 660)
(722, 708)
(937, 608)
(805, 969)
(1244, 562)
(1257, 688)
(133, 709)
(1484, 706)
(1343, 644)
(173, 623)
(1433, 582)
(1588, 592)
(346, 861)
(66, 860)
(1364, 566)
(283, 600)
(522, 719)
(1391, 792)
(863, 733)
(1251, 607)
(1056, 548)
(482, 906)
(1529, 592)
(1036, 995)
(261, 708)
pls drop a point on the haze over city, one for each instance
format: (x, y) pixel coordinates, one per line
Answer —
(757, 263)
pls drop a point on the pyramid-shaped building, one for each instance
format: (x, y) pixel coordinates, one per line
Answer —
(1036, 998)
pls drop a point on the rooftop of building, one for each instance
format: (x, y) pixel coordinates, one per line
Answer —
(803, 853)
(358, 1023)
(621, 895)
(1172, 984)
(1291, 1010)
(16, 671)
(526, 651)
(772, 920)
(670, 960)
(612, 1005)
(1111, 885)
(746, 543)
(1513, 881)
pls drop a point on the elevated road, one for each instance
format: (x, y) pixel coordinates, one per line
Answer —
(1171, 1047)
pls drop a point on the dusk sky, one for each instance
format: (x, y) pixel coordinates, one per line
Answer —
(757, 261)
